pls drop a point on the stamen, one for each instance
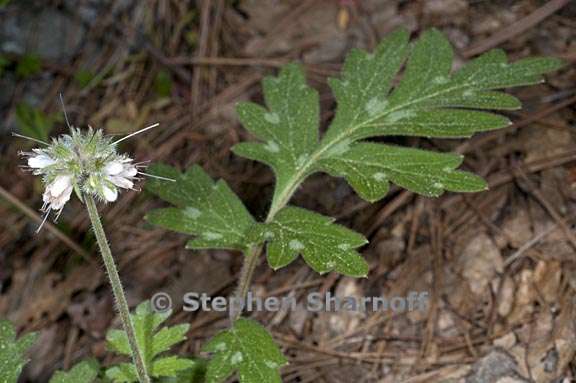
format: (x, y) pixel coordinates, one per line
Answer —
(43, 221)
(158, 177)
(65, 114)
(29, 138)
(58, 215)
(135, 133)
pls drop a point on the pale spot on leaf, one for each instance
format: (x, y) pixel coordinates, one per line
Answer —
(272, 117)
(440, 80)
(379, 176)
(271, 146)
(296, 244)
(271, 364)
(340, 148)
(375, 106)
(302, 159)
(192, 212)
(399, 115)
(211, 236)
(237, 358)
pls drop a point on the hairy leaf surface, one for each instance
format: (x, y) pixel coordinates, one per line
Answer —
(13, 352)
(206, 209)
(247, 348)
(324, 245)
(153, 342)
(430, 100)
(84, 372)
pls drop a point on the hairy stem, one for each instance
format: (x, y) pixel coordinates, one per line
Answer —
(118, 291)
(250, 263)
(281, 198)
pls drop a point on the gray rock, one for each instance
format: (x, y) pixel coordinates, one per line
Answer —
(48, 33)
(497, 366)
(89, 10)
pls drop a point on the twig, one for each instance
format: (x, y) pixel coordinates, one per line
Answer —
(50, 227)
(528, 245)
(517, 28)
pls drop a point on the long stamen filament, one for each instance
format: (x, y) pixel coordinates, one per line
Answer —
(43, 221)
(29, 138)
(136, 132)
(157, 177)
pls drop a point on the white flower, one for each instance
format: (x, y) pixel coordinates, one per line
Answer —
(57, 193)
(121, 173)
(110, 193)
(84, 161)
(40, 160)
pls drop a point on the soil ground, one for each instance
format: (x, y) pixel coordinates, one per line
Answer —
(500, 265)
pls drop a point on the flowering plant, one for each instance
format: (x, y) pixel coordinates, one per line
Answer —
(430, 100)
(88, 163)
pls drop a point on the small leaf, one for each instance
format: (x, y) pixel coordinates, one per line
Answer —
(196, 374)
(169, 336)
(168, 365)
(118, 342)
(122, 373)
(206, 209)
(324, 245)
(152, 342)
(13, 352)
(84, 372)
(247, 348)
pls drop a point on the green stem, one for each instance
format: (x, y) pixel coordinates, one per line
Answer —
(117, 290)
(250, 263)
(281, 198)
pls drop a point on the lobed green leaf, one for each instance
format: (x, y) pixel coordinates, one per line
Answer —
(13, 352)
(370, 167)
(430, 100)
(84, 372)
(247, 348)
(324, 245)
(152, 342)
(288, 126)
(206, 209)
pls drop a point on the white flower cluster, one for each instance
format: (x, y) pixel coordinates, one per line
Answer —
(84, 162)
